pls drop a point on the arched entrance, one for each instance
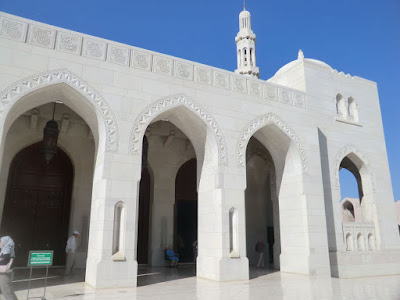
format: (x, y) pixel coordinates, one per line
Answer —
(262, 207)
(37, 204)
(186, 211)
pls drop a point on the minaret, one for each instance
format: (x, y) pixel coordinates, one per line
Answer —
(246, 46)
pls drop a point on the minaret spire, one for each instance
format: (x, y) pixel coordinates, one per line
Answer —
(246, 46)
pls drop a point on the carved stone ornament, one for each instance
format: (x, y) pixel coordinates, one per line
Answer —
(257, 124)
(69, 43)
(118, 55)
(238, 84)
(94, 49)
(254, 88)
(155, 109)
(23, 87)
(285, 96)
(162, 65)
(13, 30)
(299, 100)
(221, 80)
(183, 70)
(270, 92)
(342, 154)
(141, 60)
(42, 37)
(203, 75)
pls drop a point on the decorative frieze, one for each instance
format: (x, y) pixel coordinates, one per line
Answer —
(12, 29)
(284, 96)
(299, 100)
(270, 92)
(162, 65)
(94, 49)
(183, 70)
(203, 75)
(254, 88)
(69, 43)
(141, 60)
(42, 37)
(221, 80)
(238, 84)
(48, 37)
(118, 55)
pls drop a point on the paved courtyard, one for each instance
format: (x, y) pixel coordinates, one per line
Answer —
(181, 284)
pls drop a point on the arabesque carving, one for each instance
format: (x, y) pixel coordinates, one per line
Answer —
(155, 109)
(257, 124)
(16, 91)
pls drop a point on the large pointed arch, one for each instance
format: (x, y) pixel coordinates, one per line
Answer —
(257, 124)
(361, 161)
(165, 104)
(16, 91)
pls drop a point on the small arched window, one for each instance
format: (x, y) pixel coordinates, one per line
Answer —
(349, 242)
(371, 242)
(360, 242)
(353, 110)
(245, 56)
(233, 233)
(341, 109)
(348, 212)
(118, 229)
(251, 56)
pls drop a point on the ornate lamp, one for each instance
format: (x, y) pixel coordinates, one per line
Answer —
(50, 136)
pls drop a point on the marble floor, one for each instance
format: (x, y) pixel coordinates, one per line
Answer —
(181, 284)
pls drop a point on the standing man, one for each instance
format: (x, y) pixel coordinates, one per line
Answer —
(260, 247)
(70, 252)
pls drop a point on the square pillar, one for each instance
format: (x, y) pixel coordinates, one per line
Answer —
(115, 182)
(221, 241)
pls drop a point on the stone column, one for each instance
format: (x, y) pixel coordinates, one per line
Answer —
(116, 179)
(221, 190)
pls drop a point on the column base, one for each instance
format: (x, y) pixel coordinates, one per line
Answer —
(109, 273)
(353, 264)
(223, 269)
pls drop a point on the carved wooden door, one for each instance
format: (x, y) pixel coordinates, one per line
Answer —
(37, 205)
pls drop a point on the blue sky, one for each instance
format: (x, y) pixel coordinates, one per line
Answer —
(357, 37)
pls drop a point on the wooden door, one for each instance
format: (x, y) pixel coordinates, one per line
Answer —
(37, 205)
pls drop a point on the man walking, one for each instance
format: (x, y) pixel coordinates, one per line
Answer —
(70, 252)
(260, 247)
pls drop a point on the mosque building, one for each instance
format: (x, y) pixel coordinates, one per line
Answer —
(139, 150)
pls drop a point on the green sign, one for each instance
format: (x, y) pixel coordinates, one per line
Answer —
(40, 258)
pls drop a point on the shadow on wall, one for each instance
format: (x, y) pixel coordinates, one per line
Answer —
(326, 182)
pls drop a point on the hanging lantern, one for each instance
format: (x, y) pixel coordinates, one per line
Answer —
(50, 137)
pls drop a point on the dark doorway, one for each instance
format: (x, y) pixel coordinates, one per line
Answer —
(186, 210)
(144, 218)
(37, 205)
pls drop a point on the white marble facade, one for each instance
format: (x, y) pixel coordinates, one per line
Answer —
(307, 122)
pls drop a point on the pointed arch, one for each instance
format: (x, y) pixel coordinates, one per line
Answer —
(361, 161)
(257, 124)
(165, 104)
(16, 91)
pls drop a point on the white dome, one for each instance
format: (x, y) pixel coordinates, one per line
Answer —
(296, 62)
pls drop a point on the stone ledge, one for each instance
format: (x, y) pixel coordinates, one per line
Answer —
(364, 263)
